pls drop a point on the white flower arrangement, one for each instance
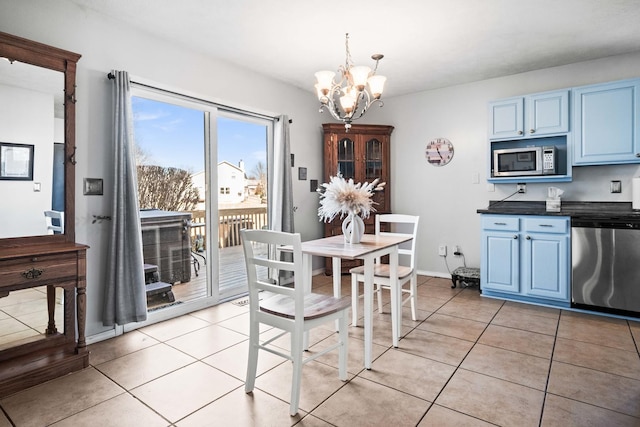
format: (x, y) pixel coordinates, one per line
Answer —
(342, 197)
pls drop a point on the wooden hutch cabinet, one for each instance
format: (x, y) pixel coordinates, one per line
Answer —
(363, 154)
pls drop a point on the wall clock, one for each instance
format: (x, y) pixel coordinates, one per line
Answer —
(439, 151)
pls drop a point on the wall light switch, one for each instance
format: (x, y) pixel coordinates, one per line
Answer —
(92, 187)
(37, 187)
(491, 188)
(475, 178)
(615, 187)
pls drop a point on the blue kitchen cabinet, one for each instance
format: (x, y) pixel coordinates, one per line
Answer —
(529, 116)
(606, 125)
(500, 254)
(546, 257)
(506, 118)
(526, 258)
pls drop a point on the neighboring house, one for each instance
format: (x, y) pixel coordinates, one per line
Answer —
(252, 186)
(231, 183)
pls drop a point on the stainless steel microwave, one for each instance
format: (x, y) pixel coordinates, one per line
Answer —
(524, 161)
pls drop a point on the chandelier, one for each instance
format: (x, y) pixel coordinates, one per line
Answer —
(348, 99)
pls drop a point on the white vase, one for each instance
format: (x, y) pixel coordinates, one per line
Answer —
(352, 228)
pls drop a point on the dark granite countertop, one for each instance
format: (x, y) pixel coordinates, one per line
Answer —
(586, 210)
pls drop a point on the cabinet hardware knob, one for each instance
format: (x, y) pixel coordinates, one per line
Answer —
(500, 223)
(532, 131)
(528, 237)
(637, 154)
(32, 273)
(520, 132)
(515, 236)
(546, 225)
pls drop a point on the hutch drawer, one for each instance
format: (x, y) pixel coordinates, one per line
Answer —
(33, 270)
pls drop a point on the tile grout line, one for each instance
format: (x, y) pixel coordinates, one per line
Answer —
(458, 366)
(546, 385)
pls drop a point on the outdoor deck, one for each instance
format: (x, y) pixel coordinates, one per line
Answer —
(232, 274)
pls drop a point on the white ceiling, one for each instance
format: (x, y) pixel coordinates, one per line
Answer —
(427, 44)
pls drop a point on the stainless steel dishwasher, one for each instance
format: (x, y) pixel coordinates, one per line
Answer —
(606, 265)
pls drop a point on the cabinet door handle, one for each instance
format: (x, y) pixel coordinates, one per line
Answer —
(637, 154)
(515, 236)
(520, 132)
(500, 223)
(32, 273)
(532, 131)
(528, 237)
(546, 225)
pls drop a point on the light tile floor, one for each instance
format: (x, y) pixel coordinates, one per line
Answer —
(467, 361)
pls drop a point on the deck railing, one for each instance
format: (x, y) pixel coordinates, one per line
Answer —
(230, 222)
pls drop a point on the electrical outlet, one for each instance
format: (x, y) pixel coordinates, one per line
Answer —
(521, 188)
(442, 250)
(456, 250)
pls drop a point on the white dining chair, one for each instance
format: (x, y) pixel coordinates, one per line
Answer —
(49, 217)
(398, 225)
(293, 308)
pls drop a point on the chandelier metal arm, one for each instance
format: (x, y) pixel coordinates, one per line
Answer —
(359, 110)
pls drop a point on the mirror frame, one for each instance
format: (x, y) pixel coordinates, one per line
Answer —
(30, 52)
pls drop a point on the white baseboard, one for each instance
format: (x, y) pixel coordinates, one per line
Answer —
(101, 336)
(434, 274)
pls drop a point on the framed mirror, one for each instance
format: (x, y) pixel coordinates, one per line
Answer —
(37, 148)
(37, 116)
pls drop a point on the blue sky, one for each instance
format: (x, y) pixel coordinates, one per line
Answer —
(173, 136)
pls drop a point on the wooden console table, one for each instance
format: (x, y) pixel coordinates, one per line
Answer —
(35, 360)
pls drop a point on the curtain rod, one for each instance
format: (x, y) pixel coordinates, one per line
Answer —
(111, 76)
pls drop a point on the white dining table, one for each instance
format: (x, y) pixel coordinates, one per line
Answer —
(370, 247)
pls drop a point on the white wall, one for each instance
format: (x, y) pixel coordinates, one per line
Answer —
(106, 45)
(26, 117)
(445, 197)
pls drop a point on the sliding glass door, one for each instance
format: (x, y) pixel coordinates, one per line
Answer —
(201, 178)
(241, 192)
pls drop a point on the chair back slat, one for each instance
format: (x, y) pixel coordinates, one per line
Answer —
(396, 221)
(257, 246)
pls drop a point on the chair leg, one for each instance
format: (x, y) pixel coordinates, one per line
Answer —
(414, 295)
(354, 300)
(252, 363)
(344, 347)
(378, 295)
(296, 375)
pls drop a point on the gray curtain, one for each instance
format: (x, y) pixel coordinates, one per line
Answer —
(280, 192)
(125, 298)
(279, 177)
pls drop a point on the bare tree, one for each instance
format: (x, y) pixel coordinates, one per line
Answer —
(259, 172)
(166, 188)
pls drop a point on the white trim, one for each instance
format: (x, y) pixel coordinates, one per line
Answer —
(154, 86)
(434, 274)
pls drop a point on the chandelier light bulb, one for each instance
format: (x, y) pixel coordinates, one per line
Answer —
(359, 75)
(325, 81)
(376, 85)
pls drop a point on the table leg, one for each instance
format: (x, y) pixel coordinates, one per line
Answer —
(396, 296)
(336, 265)
(368, 310)
(51, 309)
(307, 271)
